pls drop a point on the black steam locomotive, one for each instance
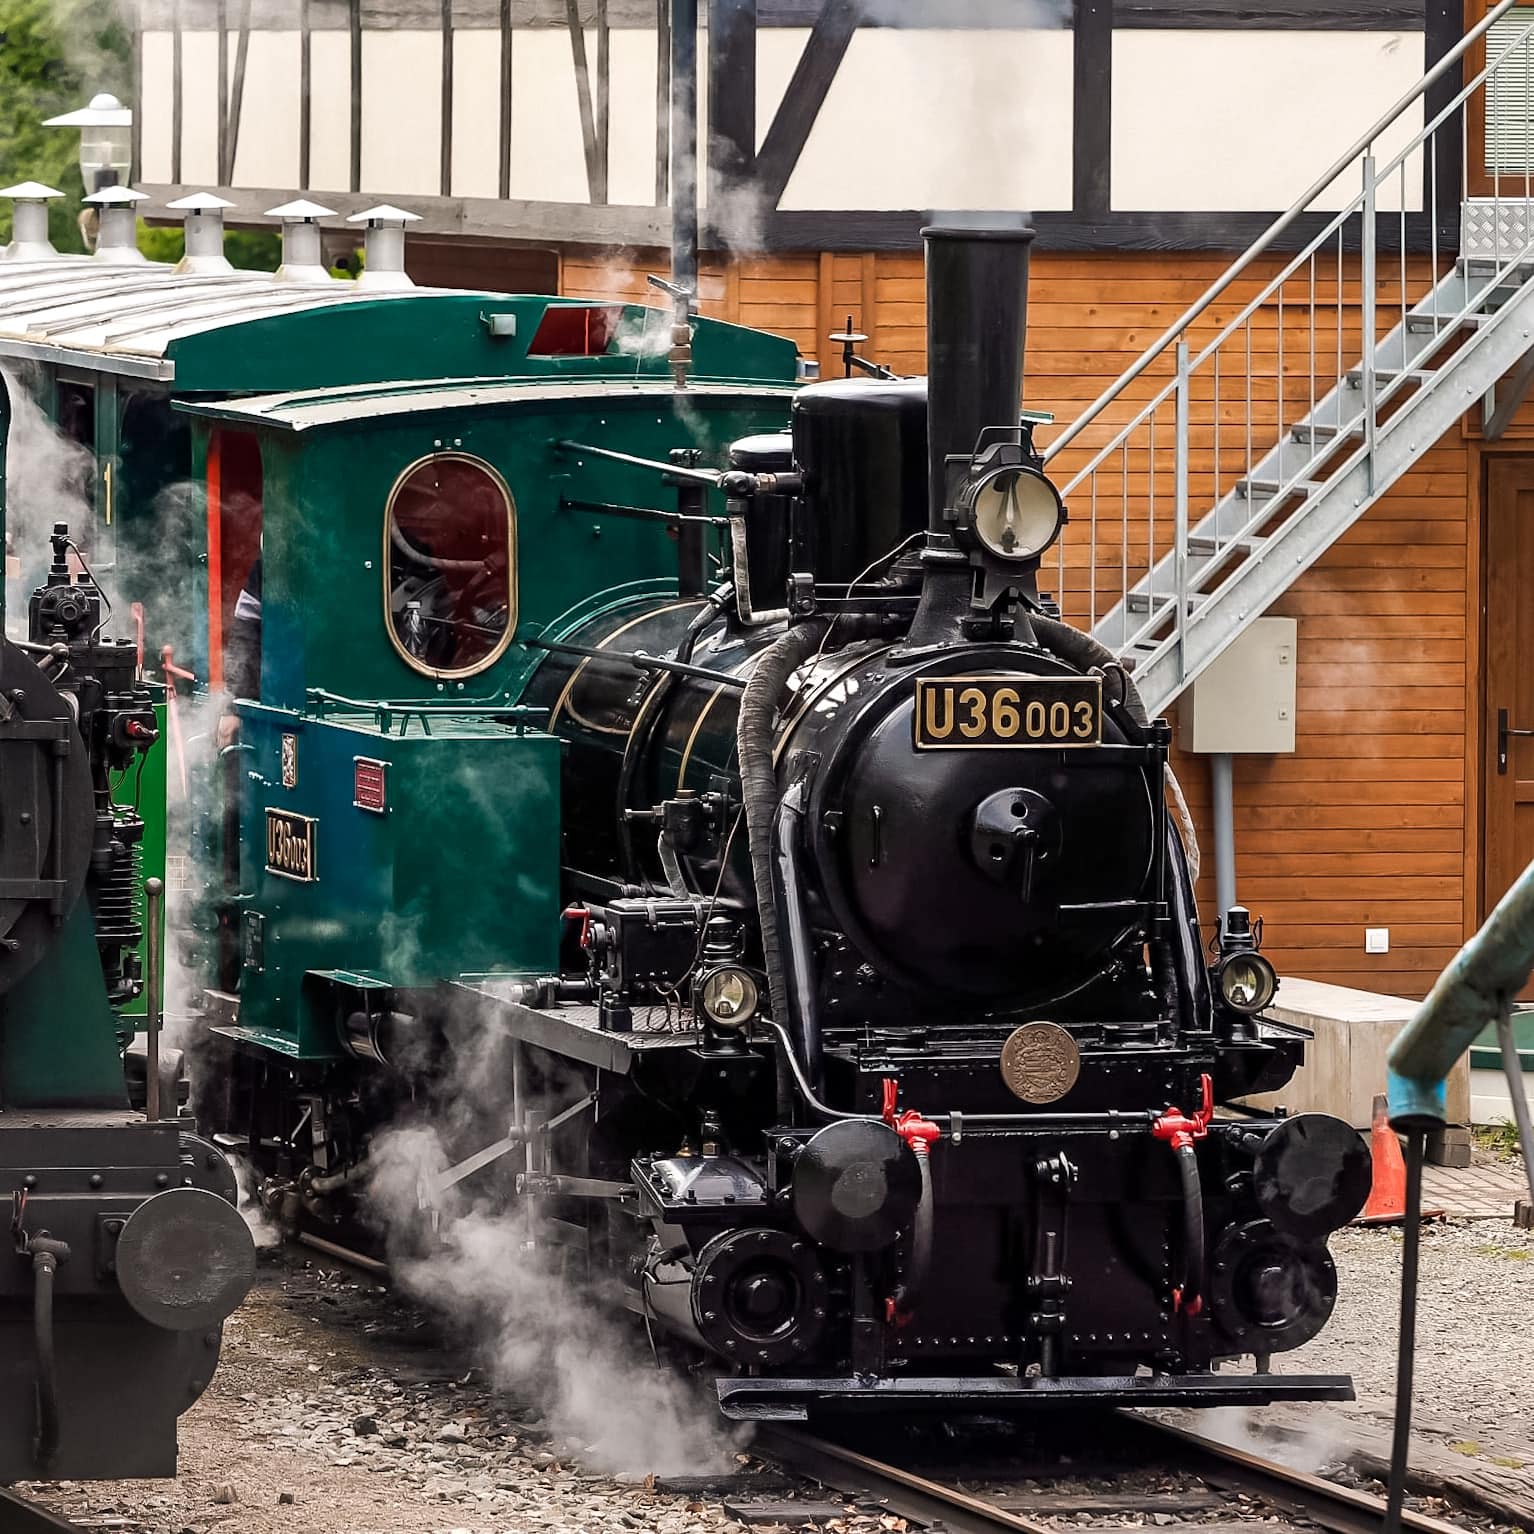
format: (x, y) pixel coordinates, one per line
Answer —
(881, 1055)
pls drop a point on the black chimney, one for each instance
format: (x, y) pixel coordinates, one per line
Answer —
(977, 307)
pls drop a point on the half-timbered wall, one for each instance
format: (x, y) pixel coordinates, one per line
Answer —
(825, 124)
(1372, 821)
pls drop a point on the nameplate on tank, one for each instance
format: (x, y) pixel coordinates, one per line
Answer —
(1007, 712)
(290, 846)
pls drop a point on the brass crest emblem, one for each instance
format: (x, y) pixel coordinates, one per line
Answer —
(290, 761)
(1040, 1062)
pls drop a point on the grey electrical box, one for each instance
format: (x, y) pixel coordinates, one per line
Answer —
(1244, 702)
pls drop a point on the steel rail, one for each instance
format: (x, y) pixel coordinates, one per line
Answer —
(20, 1516)
(906, 1494)
(1340, 1509)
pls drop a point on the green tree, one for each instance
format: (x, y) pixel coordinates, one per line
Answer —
(54, 55)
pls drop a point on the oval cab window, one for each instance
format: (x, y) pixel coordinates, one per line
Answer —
(450, 568)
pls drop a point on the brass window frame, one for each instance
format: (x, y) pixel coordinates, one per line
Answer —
(513, 564)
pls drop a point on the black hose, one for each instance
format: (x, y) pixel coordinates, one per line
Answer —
(1084, 652)
(1193, 1228)
(1406, 1344)
(754, 734)
(920, 1265)
(44, 1266)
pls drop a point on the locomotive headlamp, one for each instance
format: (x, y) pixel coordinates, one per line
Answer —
(729, 996)
(1246, 981)
(1015, 512)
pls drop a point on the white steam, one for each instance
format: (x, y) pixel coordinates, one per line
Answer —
(539, 1328)
(48, 479)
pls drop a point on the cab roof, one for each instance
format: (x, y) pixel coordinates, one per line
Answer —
(317, 409)
(242, 332)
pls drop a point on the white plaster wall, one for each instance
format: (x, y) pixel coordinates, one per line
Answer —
(199, 108)
(401, 112)
(1245, 121)
(266, 153)
(330, 134)
(547, 161)
(631, 152)
(932, 119)
(155, 128)
(477, 112)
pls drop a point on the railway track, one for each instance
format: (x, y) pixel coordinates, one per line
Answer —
(19, 1516)
(1160, 1474)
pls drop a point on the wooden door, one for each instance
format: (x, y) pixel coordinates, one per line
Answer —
(1508, 702)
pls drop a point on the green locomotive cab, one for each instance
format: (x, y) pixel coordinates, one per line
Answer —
(424, 547)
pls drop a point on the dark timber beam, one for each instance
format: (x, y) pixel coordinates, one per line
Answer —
(596, 165)
(354, 18)
(557, 224)
(1092, 107)
(237, 93)
(503, 179)
(1181, 15)
(305, 81)
(221, 131)
(177, 94)
(445, 131)
(731, 96)
(1505, 401)
(824, 51)
(1442, 165)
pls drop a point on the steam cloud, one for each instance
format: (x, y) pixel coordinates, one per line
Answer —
(541, 1328)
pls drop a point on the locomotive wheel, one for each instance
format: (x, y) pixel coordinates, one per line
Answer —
(1267, 1293)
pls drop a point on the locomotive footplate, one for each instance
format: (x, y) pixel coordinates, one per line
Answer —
(574, 1031)
(794, 1400)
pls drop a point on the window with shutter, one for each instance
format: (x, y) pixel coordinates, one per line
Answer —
(1508, 147)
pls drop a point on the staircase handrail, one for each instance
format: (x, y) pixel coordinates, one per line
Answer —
(1176, 330)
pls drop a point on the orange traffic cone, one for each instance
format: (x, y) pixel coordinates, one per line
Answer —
(1387, 1197)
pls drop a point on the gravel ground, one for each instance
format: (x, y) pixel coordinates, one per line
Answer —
(1475, 1324)
(336, 1410)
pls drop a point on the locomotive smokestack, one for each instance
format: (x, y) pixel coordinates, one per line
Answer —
(977, 305)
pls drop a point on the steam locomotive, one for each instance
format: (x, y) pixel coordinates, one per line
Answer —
(825, 922)
(125, 1251)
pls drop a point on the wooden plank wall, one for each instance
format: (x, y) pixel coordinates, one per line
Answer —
(1373, 820)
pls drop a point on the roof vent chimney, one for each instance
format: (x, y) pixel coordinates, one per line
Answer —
(29, 222)
(383, 246)
(303, 260)
(204, 228)
(117, 227)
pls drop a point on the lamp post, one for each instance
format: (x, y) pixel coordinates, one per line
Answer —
(106, 140)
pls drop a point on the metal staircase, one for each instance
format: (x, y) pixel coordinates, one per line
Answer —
(1358, 351)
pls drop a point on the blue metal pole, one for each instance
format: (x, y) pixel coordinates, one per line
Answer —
(1477, 988)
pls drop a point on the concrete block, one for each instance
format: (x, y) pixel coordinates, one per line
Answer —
(1344, 1067)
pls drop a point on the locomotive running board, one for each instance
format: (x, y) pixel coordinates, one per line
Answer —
(786, 1400)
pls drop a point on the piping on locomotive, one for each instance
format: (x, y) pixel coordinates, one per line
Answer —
(831, 916)
(124, 1252)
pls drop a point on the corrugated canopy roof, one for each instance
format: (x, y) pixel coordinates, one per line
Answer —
(309, 409)
(127, 319)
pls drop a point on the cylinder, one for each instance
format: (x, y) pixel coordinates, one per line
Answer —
(977, 305)
(862, 444)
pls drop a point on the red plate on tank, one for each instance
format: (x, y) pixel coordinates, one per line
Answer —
(368, 784)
